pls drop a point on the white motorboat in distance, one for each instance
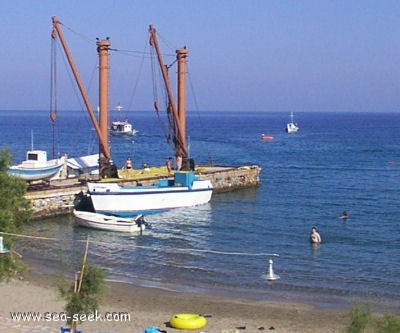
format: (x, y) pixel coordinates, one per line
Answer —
(122, 127)
(184, 190)
(109, 223)
(119, 127)
(37, 167)
(292, 127)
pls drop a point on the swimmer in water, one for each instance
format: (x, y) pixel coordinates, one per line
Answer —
(344, 216)
(315, 237)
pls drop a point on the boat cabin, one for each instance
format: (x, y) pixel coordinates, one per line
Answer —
(35, 158)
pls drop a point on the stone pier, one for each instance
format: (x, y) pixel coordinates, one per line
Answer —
(58, 197)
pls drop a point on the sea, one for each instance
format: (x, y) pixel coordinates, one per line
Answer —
(338, 161)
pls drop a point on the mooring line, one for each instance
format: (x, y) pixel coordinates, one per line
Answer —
(28, 236)
(149, 247)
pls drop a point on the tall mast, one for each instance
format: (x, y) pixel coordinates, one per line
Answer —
(179, 115)
(181, 55)
(102, 50)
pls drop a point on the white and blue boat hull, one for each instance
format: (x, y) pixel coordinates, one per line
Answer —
(111, 198)
(37, 167)
(35, 174)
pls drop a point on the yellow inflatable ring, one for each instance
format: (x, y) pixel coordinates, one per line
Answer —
(187, 321)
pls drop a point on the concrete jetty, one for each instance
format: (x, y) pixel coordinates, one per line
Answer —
(57, 198)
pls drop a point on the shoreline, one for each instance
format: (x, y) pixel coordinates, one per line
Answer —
(328, 302)
(154, 307)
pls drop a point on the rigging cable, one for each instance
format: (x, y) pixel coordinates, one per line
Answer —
(143, 55)
(198, 114)
(85, 38)
(154, 72)
(170, 134)
(175, 141)
(78, 98)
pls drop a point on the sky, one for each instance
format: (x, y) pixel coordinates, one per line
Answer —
(244, 55)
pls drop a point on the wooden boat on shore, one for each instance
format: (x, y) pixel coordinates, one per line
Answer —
(109, 222)
(36, 167)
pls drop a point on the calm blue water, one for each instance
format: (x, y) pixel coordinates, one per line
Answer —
(338, 161)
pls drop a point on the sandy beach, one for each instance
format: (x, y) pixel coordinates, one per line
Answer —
(153, 307)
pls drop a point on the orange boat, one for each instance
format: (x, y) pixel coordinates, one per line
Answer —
(266, 137)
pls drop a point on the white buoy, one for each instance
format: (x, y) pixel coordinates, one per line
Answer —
(271, 276)
(3, 249)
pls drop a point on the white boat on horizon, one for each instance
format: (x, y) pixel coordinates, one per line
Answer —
(292, 127)
(185, 190)
(36, 167)
(109, 223)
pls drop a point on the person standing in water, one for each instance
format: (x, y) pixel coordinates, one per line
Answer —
(315, 237)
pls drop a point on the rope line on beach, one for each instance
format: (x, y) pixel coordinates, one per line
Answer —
(148, 247)
(28, 236)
